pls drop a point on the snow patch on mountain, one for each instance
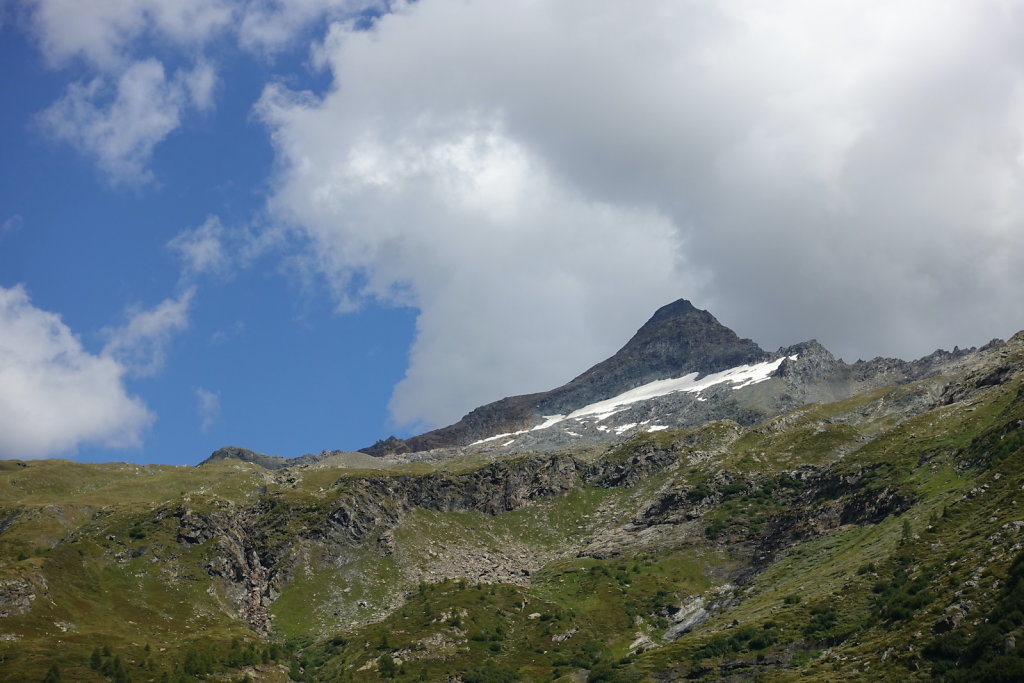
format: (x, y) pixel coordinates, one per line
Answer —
(738, 377)
(741, 376)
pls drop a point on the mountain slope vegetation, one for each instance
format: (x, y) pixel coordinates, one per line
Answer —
(880, 537)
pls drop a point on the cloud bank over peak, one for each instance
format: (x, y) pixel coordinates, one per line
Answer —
(515, 275)
(554, 171)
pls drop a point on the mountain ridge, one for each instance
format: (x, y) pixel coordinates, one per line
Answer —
(676, 340)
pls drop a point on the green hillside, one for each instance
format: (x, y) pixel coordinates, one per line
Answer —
(877, 538)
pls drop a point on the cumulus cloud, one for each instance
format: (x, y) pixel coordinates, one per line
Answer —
(106, 32)
(120, 124)
(139, 345)
(537, 177)
(129, 105)
(208, 408)
(54, 395)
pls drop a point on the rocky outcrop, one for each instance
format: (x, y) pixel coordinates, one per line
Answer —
(642, 462)
(238, 559)
(16, 596)
(271, 462)
(697, 609)
(367, 505)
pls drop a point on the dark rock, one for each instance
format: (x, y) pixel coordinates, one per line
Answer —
(678, 339)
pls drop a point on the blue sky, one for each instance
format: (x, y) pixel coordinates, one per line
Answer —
(286, 373)
(307, 225)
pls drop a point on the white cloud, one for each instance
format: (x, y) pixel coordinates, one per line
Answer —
(518, 278)
(107, 33)
(208, 407)
(840, 170)
(140, 344)
(269, 25)
(128, 105)
(120, 125)
(202, 248)
(103, 32)
(54, 395)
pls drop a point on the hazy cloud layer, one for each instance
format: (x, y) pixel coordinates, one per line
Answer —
(54, 395)
(537, 177)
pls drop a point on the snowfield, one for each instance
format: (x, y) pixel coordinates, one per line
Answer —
(738, 377)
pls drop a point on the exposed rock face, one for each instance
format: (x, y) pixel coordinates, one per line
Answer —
(697, 609)
(256, 545)
(367, 505)
(16, 596)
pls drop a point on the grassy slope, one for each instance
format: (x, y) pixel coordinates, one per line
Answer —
(855, 601)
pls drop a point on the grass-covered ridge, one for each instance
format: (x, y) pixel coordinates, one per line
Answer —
(876, 538)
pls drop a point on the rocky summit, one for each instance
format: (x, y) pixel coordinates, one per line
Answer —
(692, 509)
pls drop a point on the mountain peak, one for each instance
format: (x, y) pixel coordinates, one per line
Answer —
(673, 310)
(678, 339)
